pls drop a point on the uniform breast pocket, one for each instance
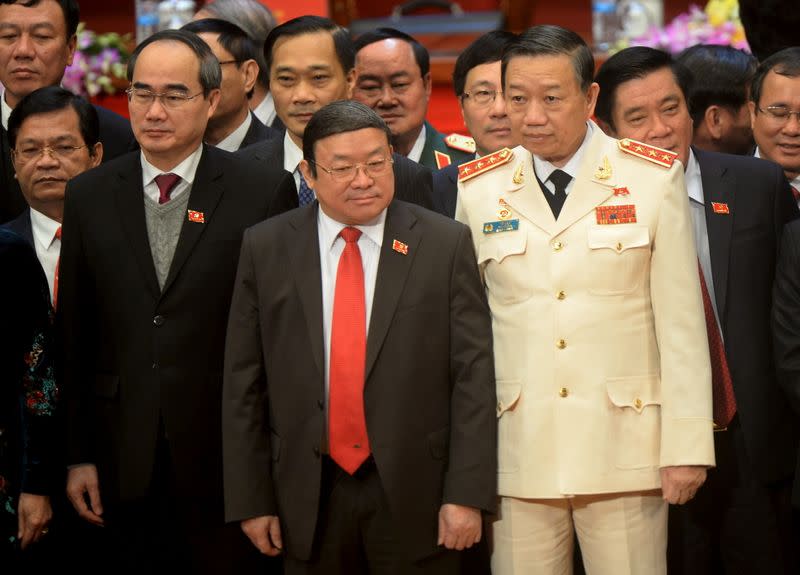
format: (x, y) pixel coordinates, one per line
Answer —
(618, 258)
(505, 269)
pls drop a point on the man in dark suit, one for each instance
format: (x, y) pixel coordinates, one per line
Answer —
(148, 259)
(298, 53)
(233, 125)
(740, 520)
(479, 89)
(39, 41)
(319, 452)
(54, 137)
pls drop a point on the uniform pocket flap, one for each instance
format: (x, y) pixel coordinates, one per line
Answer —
(106, 386)
(636, 392)
(507, 395)
(499, 246)
(618, 238)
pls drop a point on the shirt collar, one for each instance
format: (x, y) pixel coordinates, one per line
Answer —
(44, 229)
(694, 182)
(291, 153)
(233, 141)
(265, 111)
(5, 110)
(544, 168)
(329, 228)
(186, 169)
(757, 153)
(416, 150)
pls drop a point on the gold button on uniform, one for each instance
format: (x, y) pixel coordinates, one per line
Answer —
(557, 246)
(619, 247)
(561, 344)
(637, 403)
(561, 295)
(563, 392)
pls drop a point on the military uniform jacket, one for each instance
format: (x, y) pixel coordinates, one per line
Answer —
(601, 350)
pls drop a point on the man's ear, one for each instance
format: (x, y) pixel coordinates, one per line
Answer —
(97, 157)
(713, 122)
(250, 70)
(305, 169)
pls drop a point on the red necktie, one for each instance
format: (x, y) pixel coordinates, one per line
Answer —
(347, 426)
(721, 383)
(795, 193)
(166, 183)
(58, 265)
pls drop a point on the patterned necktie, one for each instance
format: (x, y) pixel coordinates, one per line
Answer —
(721, 382)
(347, 425)
(561, 180)
(306, 194)
(58, 265)
(166, 183)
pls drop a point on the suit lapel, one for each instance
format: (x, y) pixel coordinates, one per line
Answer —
(204, 197)
(393, 269)
(719, 226)
(130, 203)
(304, 259)
(527, 198)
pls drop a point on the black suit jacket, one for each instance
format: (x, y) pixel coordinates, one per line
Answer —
(115, 135)
(445, 190)
(744, 246)
(21, 225)
(258, 132)
(429, 394)
(134, 353)
(412, 181)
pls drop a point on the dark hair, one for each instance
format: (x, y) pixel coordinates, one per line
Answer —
(53, 99)
(210, 72)
(311, 25)
(379, 34)
(337, 118)
(634, 63)
(548, 40)
(255, 19)
(786, 63)
(70, 9)
(721, 76)
(230, 37)
(485, 50)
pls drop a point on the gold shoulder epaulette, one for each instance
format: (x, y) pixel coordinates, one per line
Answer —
(459, 142)
(484, 164)
(660, 156)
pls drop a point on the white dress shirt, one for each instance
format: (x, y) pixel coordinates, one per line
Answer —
(291, 159)
(47, 245)
(265, 111)
(331, 246)
(5, 110)
(186, 170)
(544, 168)
(416, 150)
(233, 141)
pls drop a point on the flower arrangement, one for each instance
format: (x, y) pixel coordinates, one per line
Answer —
(718, 24)
(99, 64)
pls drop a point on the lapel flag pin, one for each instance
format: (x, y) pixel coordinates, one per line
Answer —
(720, 208)
(196, 217)
(621, 191)
(400, 247)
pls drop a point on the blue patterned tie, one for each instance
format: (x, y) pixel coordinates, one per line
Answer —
(306, 194)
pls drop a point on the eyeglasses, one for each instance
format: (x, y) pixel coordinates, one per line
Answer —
(348, 173)
(481, 97)
(780, 114)
(60, 152)
(172, 100)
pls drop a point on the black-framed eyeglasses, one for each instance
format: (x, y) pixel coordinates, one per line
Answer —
(60, 152)
(481, 97)
(170, 99)
(348, 173)
(780, 113)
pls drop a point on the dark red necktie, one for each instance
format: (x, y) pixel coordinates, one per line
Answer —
(166, 183)
(795, 193)
(347, 426)
(58, 265)
(721, 382)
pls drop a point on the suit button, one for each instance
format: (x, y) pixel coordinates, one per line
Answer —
(557, 246)
(637, 403)
(563, 392)
(158, 321)
(561, 344)
(561, 295)
(316, 452)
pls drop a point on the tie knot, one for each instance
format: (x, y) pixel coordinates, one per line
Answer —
(350, 235)
(166, 183)
(560, 179)
(58, 233)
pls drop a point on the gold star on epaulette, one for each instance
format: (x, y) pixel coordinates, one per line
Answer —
(484, 164)
(462, 143)
(660, 156)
